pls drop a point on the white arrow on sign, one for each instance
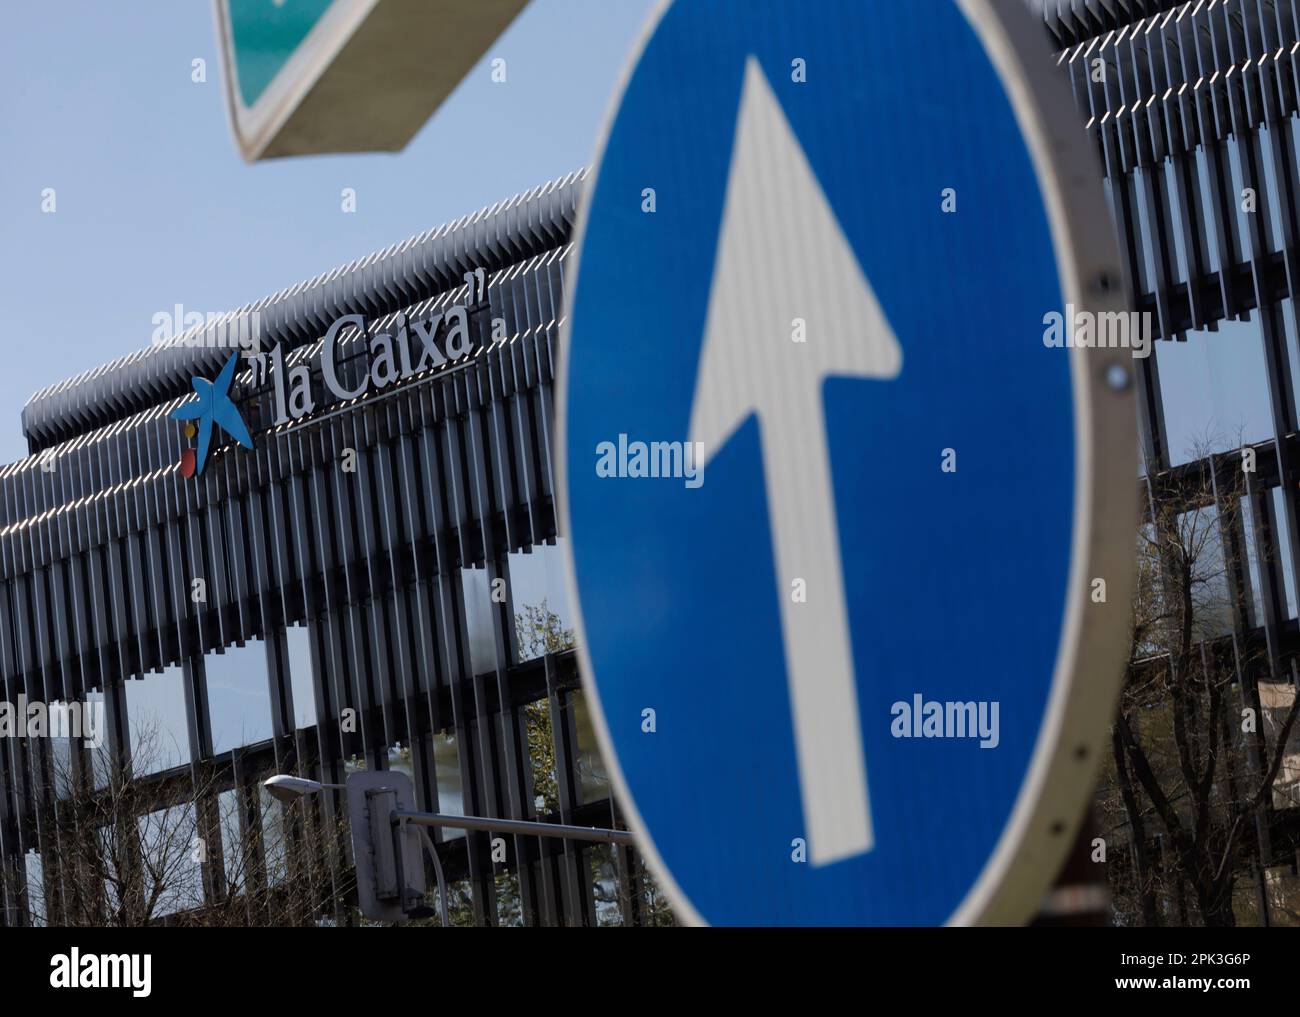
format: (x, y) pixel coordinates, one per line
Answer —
(782, 255)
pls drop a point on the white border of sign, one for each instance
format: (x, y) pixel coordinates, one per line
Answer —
(1094, 638)
(255, 126)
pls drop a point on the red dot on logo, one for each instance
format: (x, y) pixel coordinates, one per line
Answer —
(187, 463)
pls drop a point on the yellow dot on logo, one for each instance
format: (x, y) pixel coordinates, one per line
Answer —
(189, 430)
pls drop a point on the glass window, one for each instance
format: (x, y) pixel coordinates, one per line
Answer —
(1238, 196)
(543, 621)
(110, 848)
(605, 886)
(35, 871)
(399, 759)
(1148, 562)
(1256, 605)
(239, 844)
(234, 857)
(88, 719)
(1283, 895)
(451, 793)
(1198, 535)
(275, 847)
(99, 757)
(478, 620)
(60, 761)
(1276, 698)
(298, 643)
(1203, 178)
(510, 902)
(1176, 224)
(155, 713)
(1214, 390)
(541, 756)
(1283, 540)
(1292, 348)
(460, 903)
(173, 878)
(593, 779)
(1131, 182)
(239, 696)
(1268, 197)
(84, 722)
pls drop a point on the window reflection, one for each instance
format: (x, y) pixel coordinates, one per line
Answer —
(275, 848)
(1214, 390)
(81, 723)
(234, 857)
(1131, 182)
(173, 877)
(1268, 197)
(155, 713)
(605, 885)
(1198, 533)
(61, 764)
(298, 646)
(451, 793)
(1279, 562)
(1283, 540)
(478, 620)
(399, 759)
(510, 910)
(1276, 698)
(541, 757)
(1177, 225)
(1292, 341)
(240, 845)
(109, 850)
(593, 779)
(543, 621)
(1203, 178)
(72, 725)
(1255, 607)
(34, 867)
(239, 696)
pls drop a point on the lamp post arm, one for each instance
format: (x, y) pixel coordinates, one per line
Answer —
(522, 827)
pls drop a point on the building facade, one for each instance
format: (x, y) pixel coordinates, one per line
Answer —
(375, 583)
(1193, 109)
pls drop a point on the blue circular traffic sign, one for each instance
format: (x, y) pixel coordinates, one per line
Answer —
(835, 504)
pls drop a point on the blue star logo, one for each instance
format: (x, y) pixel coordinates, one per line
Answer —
(214, 406)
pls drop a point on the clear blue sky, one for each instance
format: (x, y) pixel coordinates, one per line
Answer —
(156, 208)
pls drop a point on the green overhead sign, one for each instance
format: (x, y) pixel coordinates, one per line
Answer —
(264, 36)
(304, 77)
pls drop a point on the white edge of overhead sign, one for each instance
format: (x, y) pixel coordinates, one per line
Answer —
(256, 126)
(1092, 651)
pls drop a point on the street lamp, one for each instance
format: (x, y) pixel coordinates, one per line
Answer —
(287, 789)
(382, 823)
